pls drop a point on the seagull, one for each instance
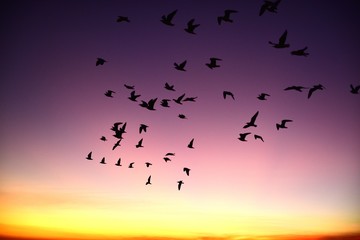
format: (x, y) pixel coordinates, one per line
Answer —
(167, 159)
(300, 52)
(117, 144)
(169, 87)
(314, 88)
(252, 121)
(227, 93)
(103, 138)
(100, 61)
(131, 165)
(263, 96)
(179, 99)
(282, 125)
(186, 170)
(129, 87)
(212, 63)
(89, 156)
(149, 105)
(281, 43)
(258, 137)
(167, 20)
(180, 66)
(109, 93)
(118, 163)
(269, 6)
(133, 96)
(179, 184)
(148, 180)
(122, 19)
(139, 144)
(226, 17)
(148, 164)
(296, 88)
(103, 161)
(243, 136)
(190, 99)
(191, 26)
(354, 90)
(190, 145)
(165, 102)
(182, 116)
(170, 154)
(143, 127)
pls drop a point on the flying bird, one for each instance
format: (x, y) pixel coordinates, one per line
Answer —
(179, 99)
(191, 144)
(190, 99)
(281, 43)
(149, 105)
(166, 159)
(167, 19)
(179, 184)
(258, 137)
(170, 154)
(148, 180)
(180, 66)
(134, 96)
(100, 61)
(169, 87)
(263, 96)
(122, 19)
(89, 156)
(119, 132)
(143, 127)
(165, 102)
(131, 165)
(118, 163)
(314, 88)
(139, 144)
(103, 161)
(109, 93)
(148, 164)
(296, 88)
(252, 121)
(213, 63)
(103, 138)
(243, 136)
(300, 52)
(186, 170)
(226, 17)
(191, 26)
(282, 124)
(129, 86)
(227, 93)
(117, 144)
(115, 126)
(182, 116)
(269, 6)
(354, 90)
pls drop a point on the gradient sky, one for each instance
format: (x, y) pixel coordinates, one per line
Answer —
(303, 180)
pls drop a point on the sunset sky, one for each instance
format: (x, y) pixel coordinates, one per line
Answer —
(301, 181)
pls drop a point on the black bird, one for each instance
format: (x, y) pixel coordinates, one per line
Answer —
(167, 19)
(182, 116)
(186, 170)
(226, 17)
(212, 63)
(282, 125)
(122, 19)
(89, 156)
(296, 88)
(170, 154)
(133, 96)
(149, 105)
(117, 144)
(281, 43)
(115, 126)
(314, 88)
(191, 144)
(109, 93)
(103, 138)
(300, 52)
(131, 165)
(103, 161)
(148, 180)
(243, 136)
(269, 6)
(143, 127)
(263, 96)
(165, 102)
(179, 99)
(148, 164)
(167, 159)
(119, 132)
(100, 61)
(252, 121)
(354, 90)
(179, 184)
(129, 87)
(227, 93)
(118, 163)
(169, 87)
(190, 99)
(180, 66)
(191, 26)
(258, 137)
(139, 144)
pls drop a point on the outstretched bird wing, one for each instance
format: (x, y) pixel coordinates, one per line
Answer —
(282, 39)
(253, 119)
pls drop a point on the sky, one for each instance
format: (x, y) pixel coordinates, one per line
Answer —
(299, 181)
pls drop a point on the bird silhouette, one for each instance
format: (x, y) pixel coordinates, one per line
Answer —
(129, 86)
(243, 136)
(190, 99)
(148, 180)
(131, 165)
(148, 164)
(119, 132)
(354, 90)
(296, 88)
(167, 19)
(227, 93)
(103, 138)
(226, 17)
(170, 154)
(165, 102)
(89, 156)
(191, 144)
(134, 96)
(180, 66)
(115, 126)
(186, 170)
(179, 99)
(118, 163)
(182, 116)
(258, 137)
(269, 6)
(179, 184)
(149, 105)
(169, 87)
(191, 26)
(117, 144)
(139, 144)
(109, 93)
(122, 19)
(263, 96)
(282, 124)
(100, 61)
(103, 161)
(300, 52)
(314, 88)
(281, 43)
(143, 127)
(213, 63)
(252, 121)
(166, 159)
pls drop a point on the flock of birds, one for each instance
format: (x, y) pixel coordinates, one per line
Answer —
(119, 128)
